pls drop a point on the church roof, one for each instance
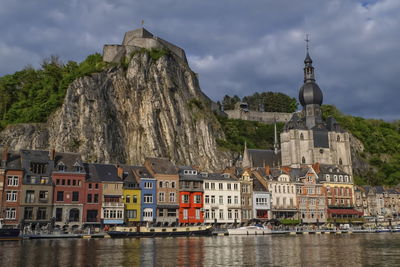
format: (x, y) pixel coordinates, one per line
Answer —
(310, 94)
(263, 157)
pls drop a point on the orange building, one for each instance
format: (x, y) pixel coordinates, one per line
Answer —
(190, 196)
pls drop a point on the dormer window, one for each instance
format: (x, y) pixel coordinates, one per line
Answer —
(78, 167)
(226, 175)
(61, 167)
(327, 177)
(38, 168)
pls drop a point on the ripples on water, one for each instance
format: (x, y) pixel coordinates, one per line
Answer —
(307, 250)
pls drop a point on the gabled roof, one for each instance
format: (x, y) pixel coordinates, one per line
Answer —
(258, 186)
(161, 166)
(141, 172)
(219, 176)
(68, 159)
(103, 173)
(263, 157)
(38, 156)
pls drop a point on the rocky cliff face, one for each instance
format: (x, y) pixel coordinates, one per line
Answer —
(149, 108)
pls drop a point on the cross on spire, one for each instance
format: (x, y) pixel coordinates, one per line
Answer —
(307, 41)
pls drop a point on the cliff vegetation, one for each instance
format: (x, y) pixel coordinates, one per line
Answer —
(31, 95)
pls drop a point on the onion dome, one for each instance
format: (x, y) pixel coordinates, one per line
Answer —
(310, 93)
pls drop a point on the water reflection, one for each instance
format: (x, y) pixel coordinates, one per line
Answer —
(308, 250)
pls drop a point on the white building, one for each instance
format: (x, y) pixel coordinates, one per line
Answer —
(221, 199)
(283, 193)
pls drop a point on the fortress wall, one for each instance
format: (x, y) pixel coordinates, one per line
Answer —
(113, 53)
(265, 117)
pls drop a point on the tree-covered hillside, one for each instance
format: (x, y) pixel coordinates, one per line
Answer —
(266, 101)
(381, 141)
(31, 95)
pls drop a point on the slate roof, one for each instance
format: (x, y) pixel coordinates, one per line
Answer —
(68, 159)
(162, 166)
(258, 186)
(263, 157)
(141, 172)
(14, 160)
(189, 177)
(38, 156)
(329, 169)
(103, 173)
(297, 173)
(218, 176)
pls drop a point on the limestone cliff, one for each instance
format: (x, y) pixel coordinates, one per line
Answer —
(151, 107)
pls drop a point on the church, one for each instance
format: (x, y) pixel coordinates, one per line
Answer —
(306, 138)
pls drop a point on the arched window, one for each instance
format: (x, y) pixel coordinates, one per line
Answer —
(340, 162)
(338, 138)
(303, 160)
(301, 136)
(74, 215)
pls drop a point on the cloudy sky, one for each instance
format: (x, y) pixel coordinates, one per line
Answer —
(237, 47)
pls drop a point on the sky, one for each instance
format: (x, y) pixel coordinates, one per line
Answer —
(237, 47)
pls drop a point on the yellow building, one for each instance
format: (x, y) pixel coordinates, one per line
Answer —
(131, 195)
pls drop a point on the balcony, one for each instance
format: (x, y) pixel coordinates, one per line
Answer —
(113, 204)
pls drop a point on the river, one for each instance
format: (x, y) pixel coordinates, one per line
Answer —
(278, 250)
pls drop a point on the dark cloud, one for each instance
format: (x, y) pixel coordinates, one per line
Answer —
(237, 47)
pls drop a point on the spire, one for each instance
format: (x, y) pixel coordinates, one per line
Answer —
(276, 145)
(308, 67)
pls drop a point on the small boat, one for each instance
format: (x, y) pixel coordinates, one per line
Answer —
(250, 230)
(142, 231)
(8, 234)
(383, 230)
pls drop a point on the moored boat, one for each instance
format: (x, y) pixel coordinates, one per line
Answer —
(250, 230)
(160, 231)
(8, 234)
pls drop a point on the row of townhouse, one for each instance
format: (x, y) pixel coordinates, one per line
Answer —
(378, 202)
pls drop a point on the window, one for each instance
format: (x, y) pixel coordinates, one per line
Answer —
(198, 212)
(96, 198)
(172, 184)
(75, 196)
(38, 168)
(96, 186)
(301, 136)
(58, 214)
(160, 184)
(236, 200)
(229, 186)
(58, 181)
(207, 199)
(197, 199)
(41, 214)
(303, 160)
(229, 214)
(11, 213)
(11, 196)
(43, 196)
(63, 181)
(229, 199)
(221, 200)
(134, 199)
(207, 214)
(172, 197)
(161, 197)
(212, 199)
(166, 184)
(74, 182)
(89, 198)
(68, 182)
(212, 186)
(212, 214)
(131, 214)
(206, 185)
(236, 214)
(148, 185)
(28, 213)
(185, 214)
(74, 215)
(148, 198)
(221, 214)
(127, 199)
(235, 187)
(171, 213)
(185, 198)
(60, 196)
(30, 196)
(12, 180)
(148, 213)
(220, 186)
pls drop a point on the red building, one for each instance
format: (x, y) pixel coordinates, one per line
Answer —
(11, 180)
(190, 196)
(69, 190)
(94, 196)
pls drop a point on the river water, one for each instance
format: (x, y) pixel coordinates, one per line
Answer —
(278, 250)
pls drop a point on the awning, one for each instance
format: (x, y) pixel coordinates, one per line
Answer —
(345, 212)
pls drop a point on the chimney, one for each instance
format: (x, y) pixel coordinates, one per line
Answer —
(52, 154)
(4, 156)
(267, 170)
(120, 172)
(315, 166)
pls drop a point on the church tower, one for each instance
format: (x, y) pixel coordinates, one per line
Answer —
(308, 139)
